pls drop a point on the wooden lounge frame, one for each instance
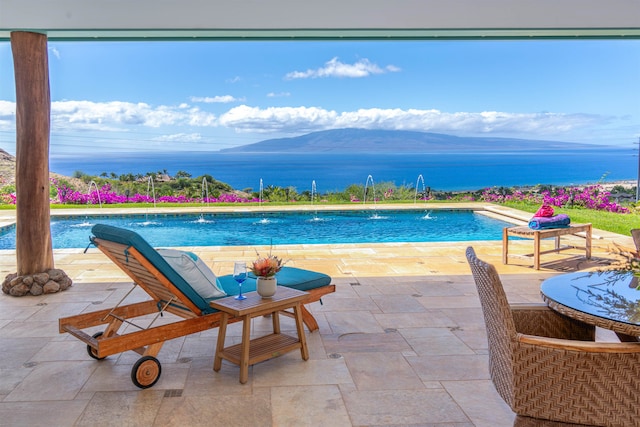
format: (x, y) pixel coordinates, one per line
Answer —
(166, 297)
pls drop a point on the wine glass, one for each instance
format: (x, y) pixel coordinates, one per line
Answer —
(240, 275)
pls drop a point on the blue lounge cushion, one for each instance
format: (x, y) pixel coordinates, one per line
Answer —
(297, 278)
(133, 239)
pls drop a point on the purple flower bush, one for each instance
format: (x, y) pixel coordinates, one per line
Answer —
(7, 193)
(8, 199)
(462, 198)
(105, 195)
(590, 197)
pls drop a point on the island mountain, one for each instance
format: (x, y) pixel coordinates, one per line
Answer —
(351, 140)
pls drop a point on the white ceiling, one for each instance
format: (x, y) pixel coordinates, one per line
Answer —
(335, 19)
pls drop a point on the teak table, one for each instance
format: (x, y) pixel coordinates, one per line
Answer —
(537, 235)
(251, 351)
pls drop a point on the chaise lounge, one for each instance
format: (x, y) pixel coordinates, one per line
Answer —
(177, 283)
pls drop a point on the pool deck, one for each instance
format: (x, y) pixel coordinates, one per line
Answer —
(401, 342)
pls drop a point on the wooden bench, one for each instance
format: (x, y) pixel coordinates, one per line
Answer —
(537, 235)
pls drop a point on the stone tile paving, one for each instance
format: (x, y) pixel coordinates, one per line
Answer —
(401, 342)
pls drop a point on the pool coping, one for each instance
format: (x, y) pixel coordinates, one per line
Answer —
(503, 213)
(8, 217)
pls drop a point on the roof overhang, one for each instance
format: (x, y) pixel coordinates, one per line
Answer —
(321, 19)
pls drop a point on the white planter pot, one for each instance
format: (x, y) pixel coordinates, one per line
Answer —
(266, 286)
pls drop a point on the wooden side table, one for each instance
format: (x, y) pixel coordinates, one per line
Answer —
(538, 235)
(251, 351)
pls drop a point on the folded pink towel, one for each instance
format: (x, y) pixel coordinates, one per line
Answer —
(545, 211)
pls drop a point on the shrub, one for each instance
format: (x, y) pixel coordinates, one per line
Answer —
(590, 197)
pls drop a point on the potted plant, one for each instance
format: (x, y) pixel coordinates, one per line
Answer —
(265, 269)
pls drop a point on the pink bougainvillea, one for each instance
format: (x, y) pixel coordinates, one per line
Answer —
(105, 195)
(590, 197)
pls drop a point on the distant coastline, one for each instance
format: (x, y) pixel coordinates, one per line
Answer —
(335, 172)
(355, 140)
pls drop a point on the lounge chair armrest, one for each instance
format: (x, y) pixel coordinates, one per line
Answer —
(538, 319)
(583, 346)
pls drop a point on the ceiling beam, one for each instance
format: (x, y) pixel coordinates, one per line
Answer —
(321, 19)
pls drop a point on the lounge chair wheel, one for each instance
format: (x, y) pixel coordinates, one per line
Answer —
(146, 372)
(91, 350)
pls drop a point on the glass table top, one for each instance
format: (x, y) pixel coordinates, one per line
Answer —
(610, 295)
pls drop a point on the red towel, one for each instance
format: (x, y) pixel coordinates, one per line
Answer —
(545, 211)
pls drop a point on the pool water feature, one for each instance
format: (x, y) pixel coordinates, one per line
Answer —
(249, 229)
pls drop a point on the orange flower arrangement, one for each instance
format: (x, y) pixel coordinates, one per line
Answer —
(267, 266)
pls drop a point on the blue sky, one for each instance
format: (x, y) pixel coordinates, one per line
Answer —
(206, 96)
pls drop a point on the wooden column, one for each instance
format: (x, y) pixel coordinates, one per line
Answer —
(33, 106)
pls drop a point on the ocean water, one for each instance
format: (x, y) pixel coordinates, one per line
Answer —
(335, 172)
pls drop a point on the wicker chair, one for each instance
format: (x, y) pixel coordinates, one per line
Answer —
(635, 233)
(544, 367)
(537, 422)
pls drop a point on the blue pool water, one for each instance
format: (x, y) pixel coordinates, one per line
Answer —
(279, 228)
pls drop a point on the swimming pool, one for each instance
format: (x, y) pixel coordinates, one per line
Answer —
(279, 228)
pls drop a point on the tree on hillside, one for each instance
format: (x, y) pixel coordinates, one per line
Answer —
(126, 177)
(213, 184)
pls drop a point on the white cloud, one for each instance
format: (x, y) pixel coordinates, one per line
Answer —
(180, 138)
(278, 119)
(197, 117)
(278, 95)
(296, 119)
(55, 52)
(113, 116)
(116, 114)
(335, 68)
(7, 115)
(221, 99)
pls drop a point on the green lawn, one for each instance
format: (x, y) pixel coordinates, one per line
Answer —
(609, 221)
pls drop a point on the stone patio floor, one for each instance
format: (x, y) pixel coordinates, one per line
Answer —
(401, 343)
